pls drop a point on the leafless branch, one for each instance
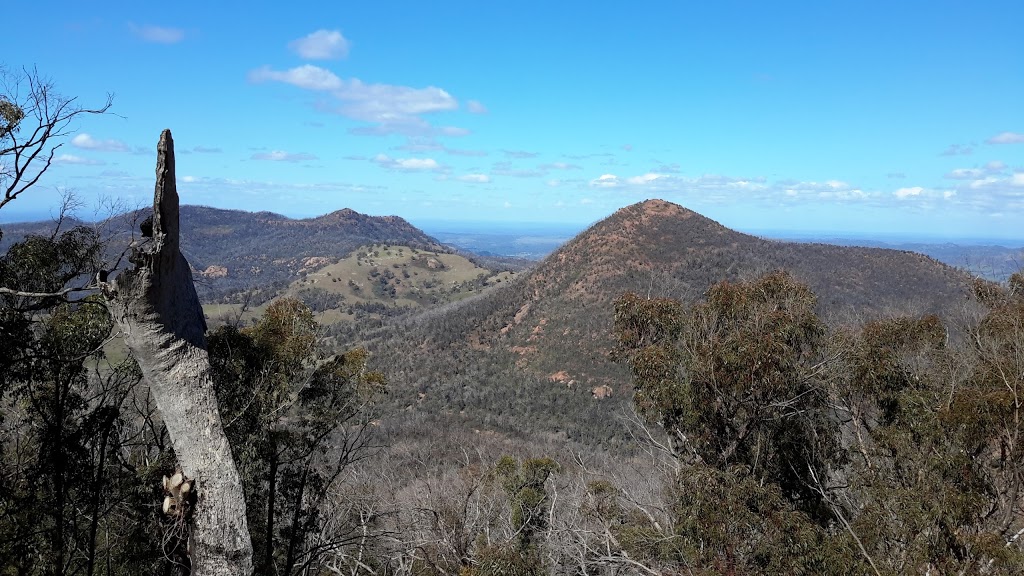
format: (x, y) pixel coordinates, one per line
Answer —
(34, 119)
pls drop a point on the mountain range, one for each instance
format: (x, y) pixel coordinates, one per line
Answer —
(529, 355)
(234, 250)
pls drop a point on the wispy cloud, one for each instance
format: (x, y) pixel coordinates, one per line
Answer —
(922, 197)
(588, 156)
(993, 191)
(1006, 138)
(206, 150)
(458, 152)
(909, 192)
(520, 154)
(475, 107)
(271, 195)
(560, 166)
(119, 174)
(384, 102)
(507, 169)
(282, 156)
(157, 34)
(475, 178)
(72, 159)
(431, 144)
(957, 150)
(965, 174)
(718, 188)
(407, 164)
(989, 169)
(87, 142)
(390, 109)
(408, 126)
(606, 181)
(663, 168)
(307, 77)
(321, 45)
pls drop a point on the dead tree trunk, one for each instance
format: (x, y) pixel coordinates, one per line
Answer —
(156, 307)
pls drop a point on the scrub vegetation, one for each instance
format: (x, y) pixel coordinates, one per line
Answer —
(662, 395)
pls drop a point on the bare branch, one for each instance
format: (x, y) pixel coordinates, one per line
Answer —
(34, 119)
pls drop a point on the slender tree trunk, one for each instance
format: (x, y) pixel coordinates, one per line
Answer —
(97, 499)
(59, 462)
(297, 531)
(156, 307)
(268, 557)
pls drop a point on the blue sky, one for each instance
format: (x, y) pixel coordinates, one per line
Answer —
(865, 118)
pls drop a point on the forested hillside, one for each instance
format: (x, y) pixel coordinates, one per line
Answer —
(534, 355)
(234, 251)
(188, 390)
(573, 419)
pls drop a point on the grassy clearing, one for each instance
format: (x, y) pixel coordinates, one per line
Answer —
(390, 276)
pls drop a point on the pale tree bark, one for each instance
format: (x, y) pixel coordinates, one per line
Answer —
(156, 307)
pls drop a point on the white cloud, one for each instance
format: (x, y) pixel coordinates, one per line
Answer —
(645, 179)
(416, 163)
(520, 154)
(965, 174)
(720, 188)
(385, 102)
(990, 169)
(118, 174)
(458, 152)
(606, 181)
(158, 34)
(1006, 138)
(321, 45)
(87, 142)
(206, 150)
(924, 197)
(406, 164)
(307, 76)
(390, 109)
(475, 178)
(908, 192)
(985, 182)
(475, 107)
(670, 168)
(828, 190)
(413, 127)
(452, 131)
(996, 191)
(72, 159)
(282, 156)
(507, 169)
(957, 150)
(560, 166)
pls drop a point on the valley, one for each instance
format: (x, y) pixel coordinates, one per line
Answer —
(499, 366)
(512, 289)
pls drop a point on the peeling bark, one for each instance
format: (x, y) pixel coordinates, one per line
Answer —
(156, 307)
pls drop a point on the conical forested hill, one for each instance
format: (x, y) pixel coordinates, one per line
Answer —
(533, 356)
